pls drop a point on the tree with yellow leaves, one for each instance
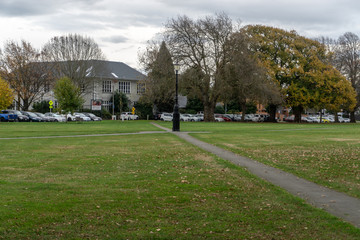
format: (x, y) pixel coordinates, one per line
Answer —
(6, 94)
(300, 66)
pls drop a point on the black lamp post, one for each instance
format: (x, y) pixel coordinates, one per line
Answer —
(176, 114)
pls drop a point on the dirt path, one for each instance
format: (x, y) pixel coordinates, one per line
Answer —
(336, 203)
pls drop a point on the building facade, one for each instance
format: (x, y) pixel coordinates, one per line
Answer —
(102, 79)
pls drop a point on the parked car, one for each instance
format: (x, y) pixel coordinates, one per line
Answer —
(200, 117)
(185, 117)
(20, 117)
(8, 117)
(32, 116)
(166, 117)
(93, 117)
(195, 118)
(81, 117)
(218, 118)
(128, 116)
(290, 118)
(56, 117)
(43, 117)
(69, 117)
(344, 120)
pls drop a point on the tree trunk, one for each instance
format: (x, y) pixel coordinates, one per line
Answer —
(26, 104)
(352, 117)
(272, 112)
(336, 118)
(209, 112)
(297, 112)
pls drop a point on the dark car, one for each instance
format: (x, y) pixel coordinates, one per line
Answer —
(32, 116)
(20, 117)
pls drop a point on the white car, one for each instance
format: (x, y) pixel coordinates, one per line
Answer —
(166, 117)
(81, 117)
(56, 117)
(344, 120)
(195, 118)
(185, 117)
(128, 116)
(200, 117)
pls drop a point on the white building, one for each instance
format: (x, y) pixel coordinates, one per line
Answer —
(104, 81)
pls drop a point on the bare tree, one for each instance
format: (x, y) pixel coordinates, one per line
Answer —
(348, 63)
(75, 57)
(200, 46)
(22, 67)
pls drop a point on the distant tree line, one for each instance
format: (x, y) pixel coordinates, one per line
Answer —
(224, 62)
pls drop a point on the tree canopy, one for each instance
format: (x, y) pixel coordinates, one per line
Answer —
(297, 64)
(68, 95)
(160, 82)
(21, 66)
(6, 94)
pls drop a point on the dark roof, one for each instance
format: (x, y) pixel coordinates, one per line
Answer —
(116, 70)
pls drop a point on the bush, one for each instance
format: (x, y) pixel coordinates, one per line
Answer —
(42, 107)
(219, 109)
(143, 110)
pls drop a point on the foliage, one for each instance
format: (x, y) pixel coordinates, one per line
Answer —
(219, 109)
(105, 114)
(144, 110)
(246, 80)
(6, 94)
(200, 47)
(42, 106)
(194, 105)
(295, 63)
(121, 102)
(160, 83)
(21, 65)
(68, 95)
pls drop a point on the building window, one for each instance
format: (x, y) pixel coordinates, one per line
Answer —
(124, 87)
(140, 88)
(106, 88)
(107, 105)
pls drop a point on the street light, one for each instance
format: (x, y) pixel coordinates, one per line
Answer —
(176, 115)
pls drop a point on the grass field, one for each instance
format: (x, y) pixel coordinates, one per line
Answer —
(328, 154)
(148, 186)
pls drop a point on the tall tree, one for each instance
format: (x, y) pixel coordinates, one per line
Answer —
(21, 65)
(348, 62)
(294, 62)
(200, 47)
(160, 83)
(6, 94)
(75, 57)
(67, 94)
(246, 80)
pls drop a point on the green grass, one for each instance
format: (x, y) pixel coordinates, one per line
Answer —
(28, 129)
(143, 187)
(328, 154)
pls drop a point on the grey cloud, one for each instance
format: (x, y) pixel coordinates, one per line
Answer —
(115, 39)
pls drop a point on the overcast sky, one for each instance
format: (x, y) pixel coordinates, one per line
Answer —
(122, 28)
